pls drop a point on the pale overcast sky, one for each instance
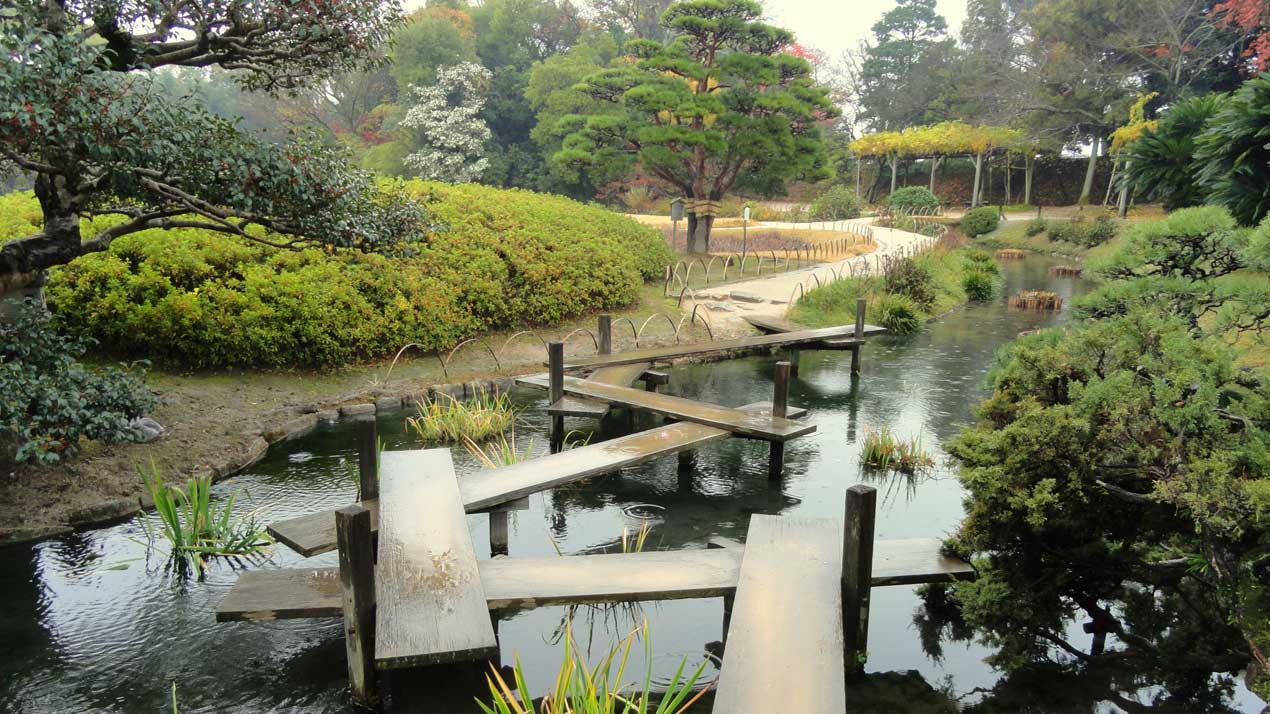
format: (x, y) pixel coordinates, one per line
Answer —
(837, 25)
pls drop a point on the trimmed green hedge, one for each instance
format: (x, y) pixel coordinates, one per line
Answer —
(978, 221)
(505, 258)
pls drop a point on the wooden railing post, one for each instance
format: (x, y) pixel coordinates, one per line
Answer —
(857, 572)
(367, 459)
(357, 580)
(605, 334)
(860, 305)
(780, 406)
(555, 391)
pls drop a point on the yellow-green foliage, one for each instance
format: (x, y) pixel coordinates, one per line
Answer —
(503, 258)
(19, 216)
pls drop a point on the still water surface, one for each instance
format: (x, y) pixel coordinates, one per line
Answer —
(88, 624)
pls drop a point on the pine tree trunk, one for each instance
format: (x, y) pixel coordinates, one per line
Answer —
(691, 238)
(1088, 188)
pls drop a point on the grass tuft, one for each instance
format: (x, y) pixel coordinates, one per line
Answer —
(596, 689)
(882, 449)
(1036, 300)
(450, 420)
(196, 529)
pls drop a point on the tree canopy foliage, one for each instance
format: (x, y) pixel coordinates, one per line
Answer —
(79, 113)
(719, 106)
(1121, 470)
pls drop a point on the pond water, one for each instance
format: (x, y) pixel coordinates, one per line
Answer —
(89, 624)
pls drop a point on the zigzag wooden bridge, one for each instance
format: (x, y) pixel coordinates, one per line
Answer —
(795, 594)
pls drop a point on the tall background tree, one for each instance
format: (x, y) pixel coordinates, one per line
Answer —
(901, 72)
(446, 114)
(719, 106)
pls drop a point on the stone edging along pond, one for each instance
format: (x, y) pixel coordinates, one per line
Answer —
(297, 423)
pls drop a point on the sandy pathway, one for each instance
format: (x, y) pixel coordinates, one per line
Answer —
(726, 305)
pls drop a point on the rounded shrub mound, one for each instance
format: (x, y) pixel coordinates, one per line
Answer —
(980, 220)
(501, 258)
(837, 203)
(913, 198)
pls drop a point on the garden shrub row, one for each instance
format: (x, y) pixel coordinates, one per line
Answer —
(501, 258)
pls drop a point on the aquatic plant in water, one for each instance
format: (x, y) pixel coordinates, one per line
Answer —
(194, 527)
(449, 420)
(580, 688)
(882, 449)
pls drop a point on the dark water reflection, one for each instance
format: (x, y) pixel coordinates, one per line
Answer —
(90, 625)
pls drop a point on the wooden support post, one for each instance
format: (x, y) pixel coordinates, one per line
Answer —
(367, 459)
(780, 402)
(555, 391)
(793, 363)
(860, 305)
(605, 334)
(857, 573)
(357, 580)
(498, 526)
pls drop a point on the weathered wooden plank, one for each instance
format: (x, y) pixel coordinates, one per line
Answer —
(747, 424)
(315, 533)
(656, 354)
(780, 325)
(622, 376)
(912, 561)
(784, 640)
(765, 409)
(315, 592)
(521, 583)
(493, 486)
(430, 603)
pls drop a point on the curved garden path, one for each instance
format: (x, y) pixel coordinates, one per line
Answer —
(770, 296)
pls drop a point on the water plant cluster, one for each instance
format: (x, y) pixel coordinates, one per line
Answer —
(883, 449)
(195, 527)
(450, 420)
(582, 688)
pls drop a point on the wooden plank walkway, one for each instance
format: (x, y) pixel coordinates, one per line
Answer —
(314, 533)
(430, 602)
(784, 648)
(741, 423)
(622, 376)
(777, 326)
(657, 354)
(529, 582)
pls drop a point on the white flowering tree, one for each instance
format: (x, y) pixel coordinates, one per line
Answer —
(447, 115)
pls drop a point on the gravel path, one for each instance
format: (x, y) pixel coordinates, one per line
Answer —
(727, 305)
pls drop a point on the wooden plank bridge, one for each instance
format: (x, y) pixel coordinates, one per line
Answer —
(795, 593)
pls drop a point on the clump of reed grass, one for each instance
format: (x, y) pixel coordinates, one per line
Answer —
(1066, 271)
(1036, 300)
(1011, 254)
(448, 420)
(195, 528)
(634, 543)
(499, 451)
(582, 688)
(882, 449)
